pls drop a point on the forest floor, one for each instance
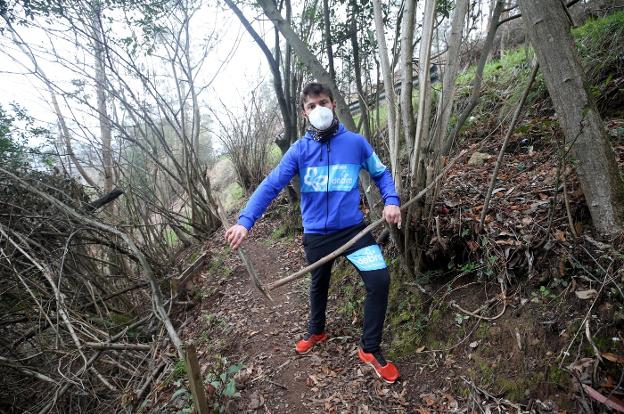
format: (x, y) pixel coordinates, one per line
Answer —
(239, 333)
(504, 321)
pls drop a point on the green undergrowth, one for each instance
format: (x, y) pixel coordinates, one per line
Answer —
(289, 222)
(516, 374)
(600, 44)
(218, 266)
(274, 156)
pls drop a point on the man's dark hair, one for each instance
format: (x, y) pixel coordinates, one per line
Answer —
(314, 89)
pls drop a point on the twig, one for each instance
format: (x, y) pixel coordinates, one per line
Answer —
(485, 318)
(501, 153)
(255, 279)
(565, 353)
(102, 379)
(26, 370)
(490, 396)
(591, 341)
(475, 314)
(277, 384)
(370, 227)
(60, 301)
(149, 380)
(567, 206)
(125, 347)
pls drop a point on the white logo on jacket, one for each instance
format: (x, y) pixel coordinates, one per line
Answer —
(317, 181)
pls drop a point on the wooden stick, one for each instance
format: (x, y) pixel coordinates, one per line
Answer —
(105, 199)
(195, 379)
(148, 381)
(122, 347)
(338, 252)
(255, 279)
(25, 369)
(192, 269)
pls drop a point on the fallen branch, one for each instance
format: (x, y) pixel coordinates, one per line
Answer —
(476, 315)
(591, 342)
(105, 199)
(25, 369)
(192, 269)
(488, 395)
(609, 402)
(121, 347)
(369, 228)
(149, 379)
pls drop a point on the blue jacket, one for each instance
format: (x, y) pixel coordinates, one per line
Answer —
(329, 202)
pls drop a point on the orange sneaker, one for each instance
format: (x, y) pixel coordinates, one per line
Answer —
(387, 371)
(307, 343)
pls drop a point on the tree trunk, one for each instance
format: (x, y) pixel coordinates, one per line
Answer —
(365, 122)
(445, 106)
(548, 28)
(407, 79)
(393, 142)
(308, 58)
(478, 79)
(100, 86)
(424, 83)
(328, 40)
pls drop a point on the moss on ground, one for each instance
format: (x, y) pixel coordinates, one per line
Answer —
(405, 320)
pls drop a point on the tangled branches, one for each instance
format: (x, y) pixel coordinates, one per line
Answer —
(73, 299)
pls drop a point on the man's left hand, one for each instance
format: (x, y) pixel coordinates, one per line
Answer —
(392, 214)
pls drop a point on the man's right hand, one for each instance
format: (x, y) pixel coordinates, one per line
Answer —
(235, 235)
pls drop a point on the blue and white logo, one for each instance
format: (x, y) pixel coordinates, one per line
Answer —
(374, 165)
(368, 258)
(341, 177)
(315, 179)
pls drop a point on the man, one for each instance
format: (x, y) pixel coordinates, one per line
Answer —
(328, 160)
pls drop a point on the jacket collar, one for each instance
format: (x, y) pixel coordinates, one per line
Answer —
(339, 131)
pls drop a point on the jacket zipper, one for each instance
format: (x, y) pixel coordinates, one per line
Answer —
(327, 185)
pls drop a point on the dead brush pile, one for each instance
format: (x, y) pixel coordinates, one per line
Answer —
(76, 323)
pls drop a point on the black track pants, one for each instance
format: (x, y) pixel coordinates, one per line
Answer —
(366, 257)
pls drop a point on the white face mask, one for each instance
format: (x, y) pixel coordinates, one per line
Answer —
(321, 118)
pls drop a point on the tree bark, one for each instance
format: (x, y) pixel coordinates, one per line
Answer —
(547, 25)
(450, 73)
(100, 87)
(476, 85)
(407, 79)
(357, 63)
(328, 40)
(393, 142)
(424, 83)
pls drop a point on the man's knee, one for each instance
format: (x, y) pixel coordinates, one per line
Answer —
(377, 281)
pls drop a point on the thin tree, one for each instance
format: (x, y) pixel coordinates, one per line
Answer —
(548, 27)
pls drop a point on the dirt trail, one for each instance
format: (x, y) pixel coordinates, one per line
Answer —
(235, 325)
(262, 337)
